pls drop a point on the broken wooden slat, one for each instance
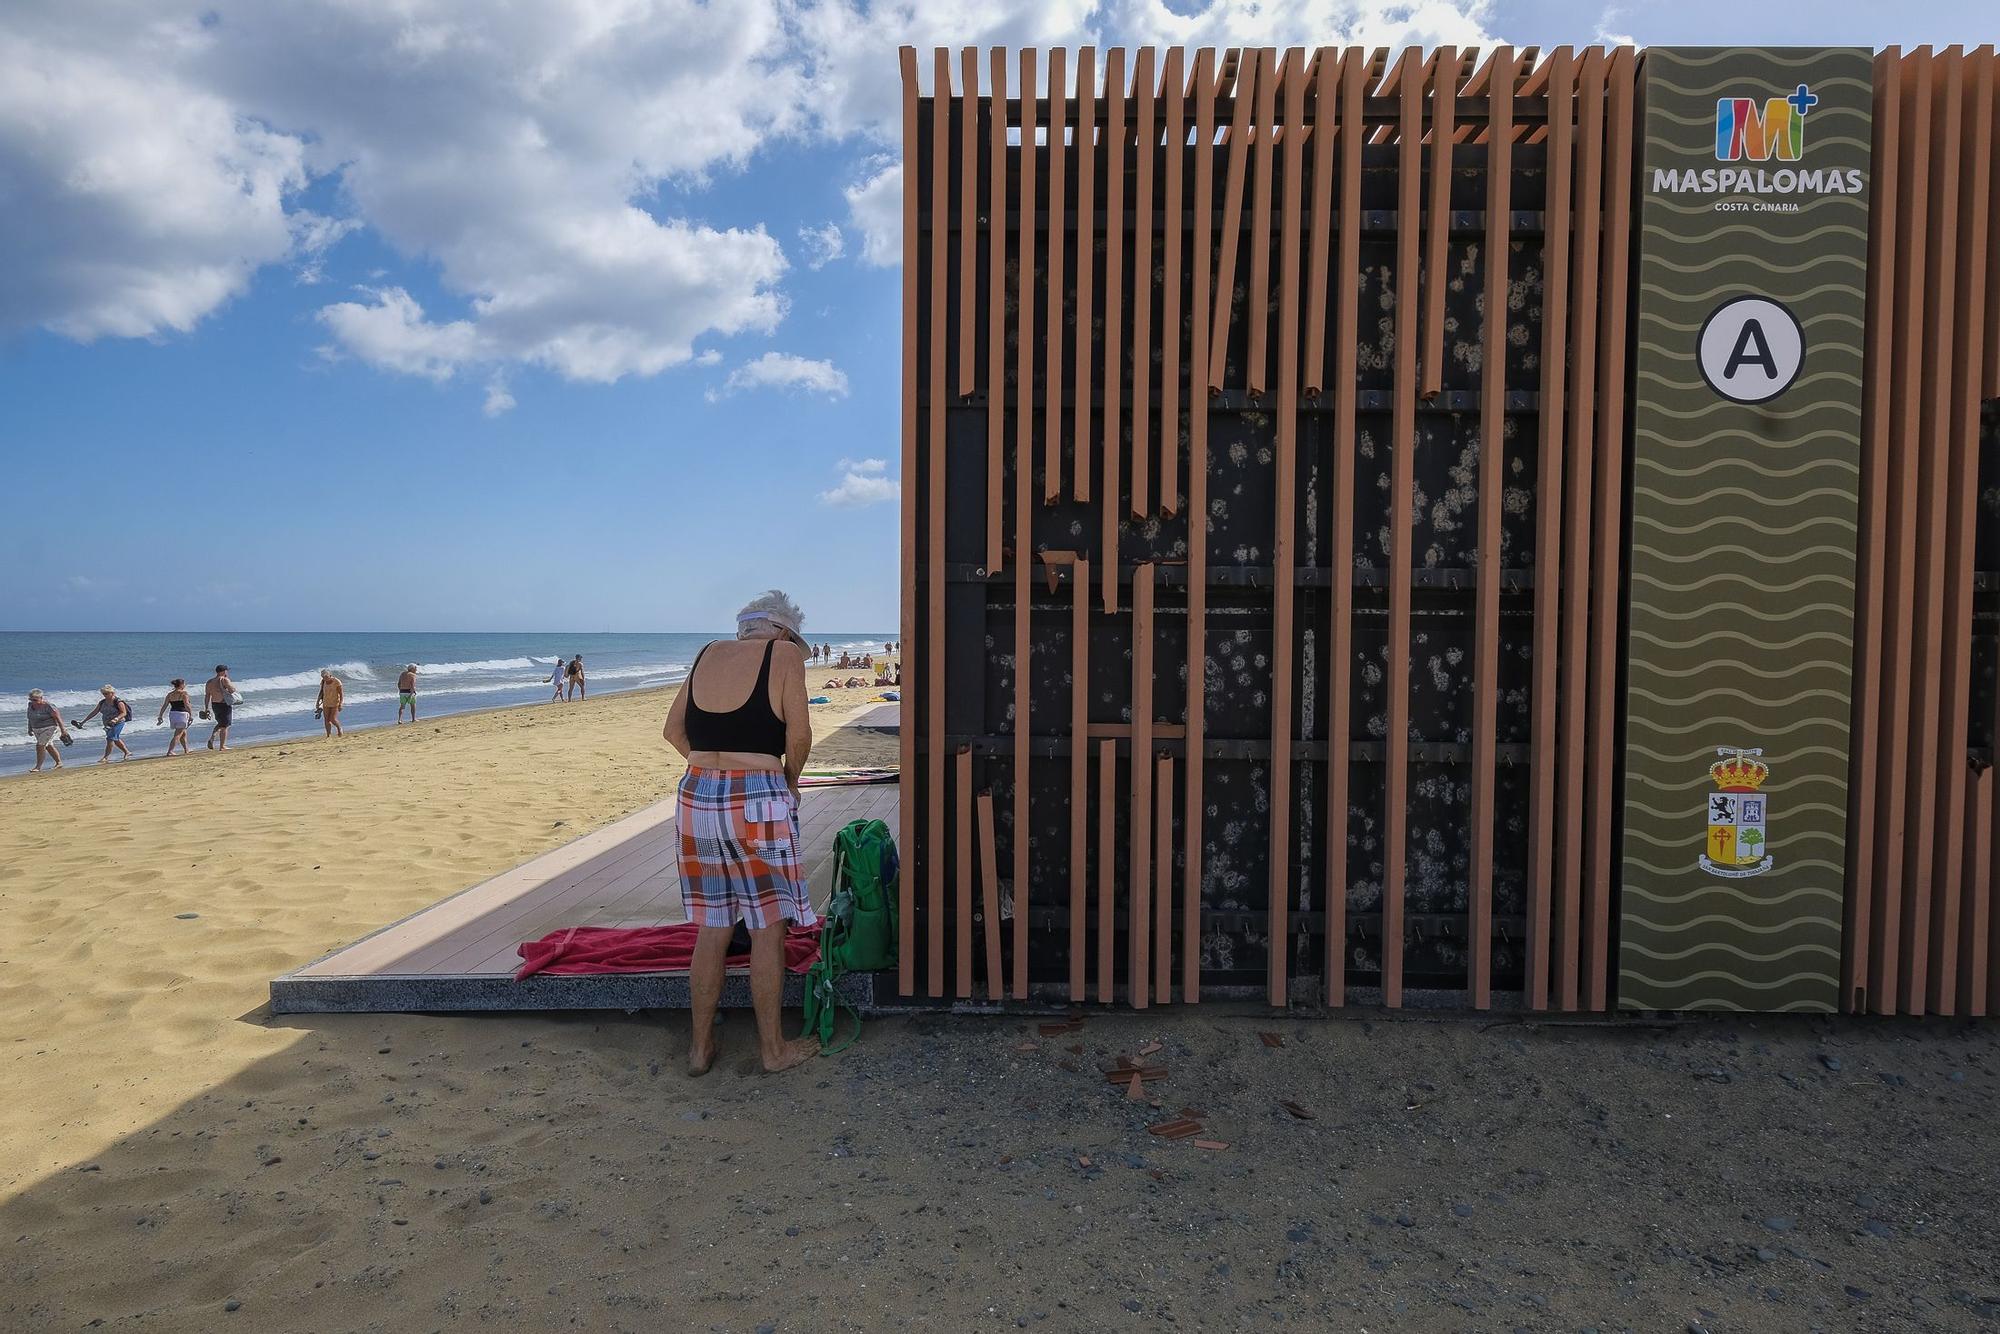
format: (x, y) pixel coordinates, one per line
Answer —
(1257, 311)
(1326, 98)
(1170, 288)
(1232, 223)
(1086, 265)
(1079, 773)
(989, 897)
(962, 831)
(1163, 884)
(1437, 221)
(1052, 375)
(996, 314)
(1107, 863)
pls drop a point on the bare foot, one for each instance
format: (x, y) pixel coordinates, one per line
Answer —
(796, 1052)
(701, 1058)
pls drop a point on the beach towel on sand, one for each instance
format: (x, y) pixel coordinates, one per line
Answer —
(642, 949)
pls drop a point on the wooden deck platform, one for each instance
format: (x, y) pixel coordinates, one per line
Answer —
(460, 954)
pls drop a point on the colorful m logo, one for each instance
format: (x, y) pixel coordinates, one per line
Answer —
(1745, 131)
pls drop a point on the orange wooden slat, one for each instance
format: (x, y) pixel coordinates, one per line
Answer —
(989, 896)
(1402, 482)
(1086, 266)
(1326, 116)
(1024, 480)
(1437, 221)
(906, 731)
(1873, 537)
(1079, 773)
(996, 314)
(1548, 530)
(1052, 374)
(1114, 316)
(1232, 223)
(934, 654)
(1934, 386)
(962, 835)
(1606, 535)
(1138, 901)
(1341, 503)
(1163, 883)
(1576, 550)
(968, 219)
(1197, 511)
(1107, 864)
(1257, 312)
(1492, 478)
(1171, 325)
(1145, 150)
(1974, 96)
(1285, 520)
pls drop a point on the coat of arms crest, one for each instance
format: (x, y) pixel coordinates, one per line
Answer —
(1738, 828)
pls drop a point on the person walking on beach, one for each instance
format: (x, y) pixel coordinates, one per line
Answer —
(45, 725)
(558, 677)
(178, 710)
(406, 694)
(219, 699)
(576, 690)
(332, 694)
(743, 723)
(116, 713)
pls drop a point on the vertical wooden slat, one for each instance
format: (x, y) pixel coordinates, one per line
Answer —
(1437, 221)
(1905, 443)
(1145, 149)
(996, 313)
(1876, 403)
(1024, 477)
(1197, 511)
(1170, 286)
(1940, 247)
(934, 645)
(1052, 374)
(1139, 899)
(1975, 916)
(1607, 539)
(1548, 529)
(1086, 265)
(1974, 98)
(1257, 312)
(1114, 314)
(1402, 482)
(962, 832)
(1285, 520)
(1163, 882)
(1340, 620)
(1492, 478)
(968, 219)
(1326, 119)
(1107, 864)
(1243, 100)
(989, 896)
(906, 731)
(1079, 773)
(1576, 551)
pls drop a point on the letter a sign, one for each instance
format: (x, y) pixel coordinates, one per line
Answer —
(1750, 349)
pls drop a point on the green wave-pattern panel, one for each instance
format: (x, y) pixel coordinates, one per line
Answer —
(1741, 615)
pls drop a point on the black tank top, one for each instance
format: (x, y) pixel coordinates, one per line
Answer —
(751, 727)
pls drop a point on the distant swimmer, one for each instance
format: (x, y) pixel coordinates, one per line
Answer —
(116, 713)
(178, 711)
(576, 677)
(219, 699)
(45, 725)
(558, 677)
(406, 693)
(332, 694)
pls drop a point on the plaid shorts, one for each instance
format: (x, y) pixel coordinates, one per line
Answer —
(740, 857)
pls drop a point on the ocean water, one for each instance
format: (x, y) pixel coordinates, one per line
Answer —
(278, 676)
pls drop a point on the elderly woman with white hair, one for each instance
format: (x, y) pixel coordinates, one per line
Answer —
(741, 719)
(45, 724)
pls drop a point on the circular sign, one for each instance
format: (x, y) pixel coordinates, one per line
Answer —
(1750, 349)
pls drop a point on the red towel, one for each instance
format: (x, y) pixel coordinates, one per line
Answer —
(643, 949)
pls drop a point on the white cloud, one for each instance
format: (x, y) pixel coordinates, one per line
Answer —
(823, 244)
(864, 465)
(858, 488)
(390, 331)
(499, 399)
(777, 370)
(875, 209)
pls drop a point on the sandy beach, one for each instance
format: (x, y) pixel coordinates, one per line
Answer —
(176, 1158)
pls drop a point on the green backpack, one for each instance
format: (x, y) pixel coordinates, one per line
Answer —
(859, 933)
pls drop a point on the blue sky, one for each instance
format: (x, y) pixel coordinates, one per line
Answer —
(449, 315)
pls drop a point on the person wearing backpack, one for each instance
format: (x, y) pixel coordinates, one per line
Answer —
(116, 713)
